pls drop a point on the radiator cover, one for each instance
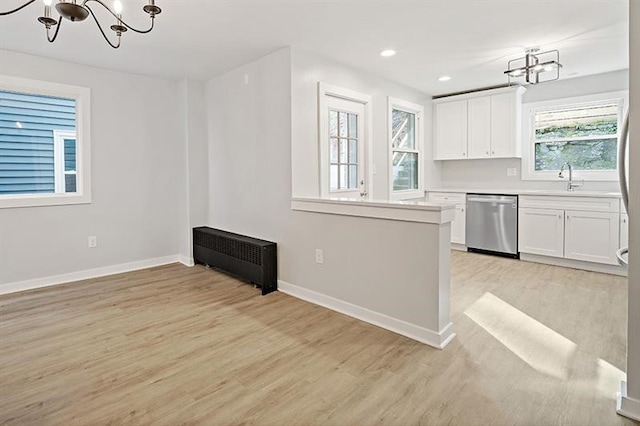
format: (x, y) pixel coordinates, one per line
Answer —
(251, 259)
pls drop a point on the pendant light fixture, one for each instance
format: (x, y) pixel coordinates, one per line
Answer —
(79, 10)
(536, 67)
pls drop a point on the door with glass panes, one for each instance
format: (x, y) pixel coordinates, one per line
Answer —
(347, 148)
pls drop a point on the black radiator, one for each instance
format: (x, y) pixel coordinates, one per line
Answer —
(248, 258)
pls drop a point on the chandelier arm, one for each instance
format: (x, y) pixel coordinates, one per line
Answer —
(115, 46)
(55, 35)
(101, 3)
(17, 9)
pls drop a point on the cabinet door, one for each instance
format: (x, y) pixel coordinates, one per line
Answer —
(624, 230)
(505, 141)
(479, 127)
(459, 225)
(451, 130)
(541, 231)
(592, 236)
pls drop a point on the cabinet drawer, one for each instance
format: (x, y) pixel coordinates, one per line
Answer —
(591, 204)
(448, 197)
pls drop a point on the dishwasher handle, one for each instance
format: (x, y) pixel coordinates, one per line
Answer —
(491, 200)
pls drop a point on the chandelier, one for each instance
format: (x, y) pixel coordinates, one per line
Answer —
(79, 10)
(536, 67)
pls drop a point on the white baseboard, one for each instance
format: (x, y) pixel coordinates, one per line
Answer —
(628, 407)
(186, 261)
(87, 274)
(575, 264)
(459, 247)
(424, 335)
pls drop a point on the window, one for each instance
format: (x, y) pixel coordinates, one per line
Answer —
(405, 140)
(582, 132)
(44, 143)
(344, 125)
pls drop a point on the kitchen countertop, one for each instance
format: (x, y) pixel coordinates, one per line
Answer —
(549, 192)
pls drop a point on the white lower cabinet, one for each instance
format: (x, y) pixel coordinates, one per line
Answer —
(459, 225)
(541, 231)
(624, 230)
(591, 236)
(586, 229)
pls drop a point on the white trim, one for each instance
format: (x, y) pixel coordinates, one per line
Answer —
(418, 111)
(82, 96)
(424, 335)
(626, 406)
(389, 210)
(575, 264)
(528, 155)
(59, 137)
(186, 261)
(327, 90)
(86, 274)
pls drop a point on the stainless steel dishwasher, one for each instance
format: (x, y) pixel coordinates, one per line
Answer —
(492, 224)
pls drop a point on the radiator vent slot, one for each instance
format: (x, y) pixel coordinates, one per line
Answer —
(246, 257)
(234, 248)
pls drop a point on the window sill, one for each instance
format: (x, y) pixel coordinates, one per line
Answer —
(42, 200)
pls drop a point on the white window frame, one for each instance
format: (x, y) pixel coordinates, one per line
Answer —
(82, 96)
(328, 90)
(528, 136)
(59, 136)
(418, 111)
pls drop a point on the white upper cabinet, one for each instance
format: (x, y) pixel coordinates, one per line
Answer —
(451, 130)
(479, 125)
(506, 115)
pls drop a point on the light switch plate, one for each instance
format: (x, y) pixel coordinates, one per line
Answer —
(512, 171)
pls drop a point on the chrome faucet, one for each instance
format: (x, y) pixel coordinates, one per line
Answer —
(571, 185)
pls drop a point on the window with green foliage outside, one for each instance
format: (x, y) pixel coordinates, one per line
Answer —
(585, 137)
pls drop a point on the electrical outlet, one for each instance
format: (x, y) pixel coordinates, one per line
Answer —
(319, 256)
(93, 242)
(512, 171)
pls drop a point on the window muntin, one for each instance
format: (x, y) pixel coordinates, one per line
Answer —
(586, 136)
(45, 144)
(343, 150)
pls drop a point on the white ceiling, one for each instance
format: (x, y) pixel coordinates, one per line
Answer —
(469, 40)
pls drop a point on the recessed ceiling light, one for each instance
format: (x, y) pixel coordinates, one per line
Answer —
(387, 53)
(444, 78)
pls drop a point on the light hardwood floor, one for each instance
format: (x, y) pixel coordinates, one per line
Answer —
(536, 345)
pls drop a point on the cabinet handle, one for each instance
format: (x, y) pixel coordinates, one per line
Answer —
(568, 217)
(559, 216)
(464, 154)
(493, 152)
(487, 152)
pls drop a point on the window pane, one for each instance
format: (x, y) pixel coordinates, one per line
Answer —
(333, 177)
(70, 183)
(405, 171)
(600, 154)
(353, 177)
(344, 176)
(342, 122)
(353, 126)
(333, 123)
(403, 130)
(27, 125)
(566, 123)
(344, 150)
(70, 155)
(333, 150)
(353, 151)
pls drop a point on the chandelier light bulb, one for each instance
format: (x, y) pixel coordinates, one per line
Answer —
(117, 7)
(47, 2)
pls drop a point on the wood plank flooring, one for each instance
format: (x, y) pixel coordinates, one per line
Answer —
(536, 345)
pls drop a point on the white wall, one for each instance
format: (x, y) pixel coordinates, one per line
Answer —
(307, 70)
(137, 180)
(250, 153)
(195, 205)
(491, 174)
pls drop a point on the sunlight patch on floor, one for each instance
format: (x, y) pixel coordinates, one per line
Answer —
(536, 344)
